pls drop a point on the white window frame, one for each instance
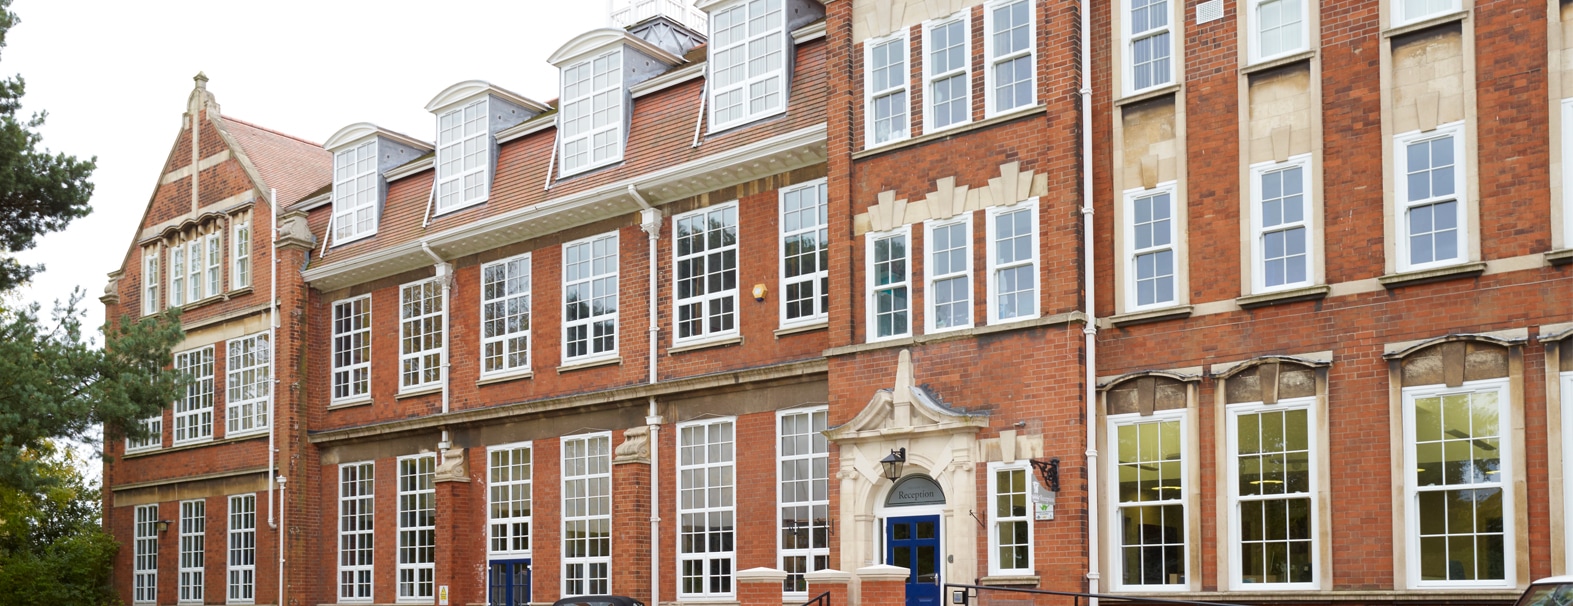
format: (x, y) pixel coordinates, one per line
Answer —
(1505, 481)
(150, 281)
(177, 275)
(817, 280)
(155, 441)
(494, 482)
(1117, 572)
(930, 77)
(1029, 206)
(353, 339)
(1400, 17)
(589, 322)
(241, 562)
(192, 527)
(570, 105)
(1132, 302)
(871, 291)
(144, 561)
(1258, 233)
(240, 255)
(503, 341)
(248, 384)
(990, 61)
(214, 243)
(193, 414)
(356, 191)
(421, 586)
(428, 325)
(590, 479)
(870, 95)
(707, 559)
(784, 500)
(357, 510)
(1234, 499)
(1567, 181)
(995, 519)
(743, 44)
(1254, 36)
(195, 284)
(1460, 195)
(1128, 40)
(704, 301)
(931, 275)
(452, 200)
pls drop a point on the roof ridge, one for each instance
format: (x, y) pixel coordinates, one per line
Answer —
(270, 130)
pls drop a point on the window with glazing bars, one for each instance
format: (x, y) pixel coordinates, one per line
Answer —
(355, 192)
(886, 69)
(705, 268)
(587, 515)
(193, 535)
(242, 561)
(194, 410)
(1012, 69)
(417, 526)
(1149, 501)
(505, 315)
(888, 286)
(250, 377)
(357, 526)
(463, 156)
(352, 348)
(592, 113)
(509, 485)
(705, 509)
(747, 77)
(590, 298)
(420, 334)
(144, 563)
(804, 496)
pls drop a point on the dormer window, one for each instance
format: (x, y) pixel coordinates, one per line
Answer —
(592, 113)
(355, 192)
(462, 161)
(748, 45)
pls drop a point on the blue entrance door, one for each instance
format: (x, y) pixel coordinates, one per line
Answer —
(509, 582)
(913, 543)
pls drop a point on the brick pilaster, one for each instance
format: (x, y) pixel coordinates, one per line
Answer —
(461, 537)
(631, 515)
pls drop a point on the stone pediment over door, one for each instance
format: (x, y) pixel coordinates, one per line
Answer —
(905, 410)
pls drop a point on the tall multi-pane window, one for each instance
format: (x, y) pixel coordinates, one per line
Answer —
(1430, 190)
(250, 378)
(805, 254)
(193, 534)
(706, 508)
(1149, 45)
(194, 409)
(587, 514)
(1150, 244)
(420, 334)
(889, 303)
(352, 348)
(748, 47)
(144, 562)
(177, 275)
(705, 272)
(592, 114)
(1012, 70)
(804, 499)
(1458, 485)
(1149, 488)
(149, 280)
(356, 530)
(590, 298)
(195, 262)
(505, 315)
(1010, 535)
(154, 439)
(355, 192)
(508, 482)
(215, 263)
(417, 526)
(1278, 27)
(240, 255)
(1013, 261)
(242, 561)
(947, 71)
(885, 64)
(463, 156)
(949, 272)
(1271, 486)
(1281, 224)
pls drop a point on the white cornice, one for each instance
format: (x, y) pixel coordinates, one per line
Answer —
(810, 32)
(468, 90)
(598, 39)
(359, 131)
(797, 149)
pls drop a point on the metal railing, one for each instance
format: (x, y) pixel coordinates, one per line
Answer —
(634, 11)
(822, 599)
(968, 595)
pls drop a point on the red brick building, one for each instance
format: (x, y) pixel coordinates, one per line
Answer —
(676, 323)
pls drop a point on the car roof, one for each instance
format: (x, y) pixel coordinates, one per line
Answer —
(1556, 579)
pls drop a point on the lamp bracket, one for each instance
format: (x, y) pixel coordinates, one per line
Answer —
(1049, 471)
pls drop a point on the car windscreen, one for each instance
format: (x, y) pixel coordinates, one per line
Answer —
(1549, 594)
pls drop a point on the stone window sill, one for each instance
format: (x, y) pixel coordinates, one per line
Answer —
(418, 391)
(1292, 295)
(1426, 276)
(589, 364)
(1272, 64)
(1425, 24)
(350, 402)
(1163, 91)
(1009, 581)
(1560, 257)
(792, 330)
(1151, 315)
(504, 377)
(707, 344)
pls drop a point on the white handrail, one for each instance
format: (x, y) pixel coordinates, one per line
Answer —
(635, 11)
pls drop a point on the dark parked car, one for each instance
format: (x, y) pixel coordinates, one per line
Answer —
(598, 600)
(1550, 591)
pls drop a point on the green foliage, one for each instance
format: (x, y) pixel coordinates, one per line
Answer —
(54, 385)
(40, 192)
(52, 548)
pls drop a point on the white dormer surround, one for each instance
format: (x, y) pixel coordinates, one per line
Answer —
(598, 67)
(469, 115)
(751, 56)
(362, 152)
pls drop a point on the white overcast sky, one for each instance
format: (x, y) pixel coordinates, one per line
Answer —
(114, 77)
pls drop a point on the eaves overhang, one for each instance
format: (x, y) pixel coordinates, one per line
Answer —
(791, 151)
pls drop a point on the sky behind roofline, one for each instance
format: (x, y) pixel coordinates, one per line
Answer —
(114, 77)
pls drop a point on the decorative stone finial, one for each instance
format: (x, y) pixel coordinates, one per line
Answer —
(202, 80)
